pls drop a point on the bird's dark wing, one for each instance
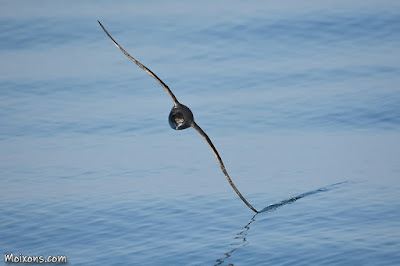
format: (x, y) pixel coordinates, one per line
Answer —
(221, 164)
(142, 67)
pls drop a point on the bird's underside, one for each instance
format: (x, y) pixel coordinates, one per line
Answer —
(181, 117)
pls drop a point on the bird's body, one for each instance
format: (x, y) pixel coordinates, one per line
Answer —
(181, 117)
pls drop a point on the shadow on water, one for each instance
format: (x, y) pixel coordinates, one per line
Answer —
(240, 238)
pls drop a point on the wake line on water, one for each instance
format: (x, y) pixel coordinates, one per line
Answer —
(275, 206)
(242, 235)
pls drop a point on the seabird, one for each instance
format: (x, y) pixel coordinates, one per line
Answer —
(181, 117)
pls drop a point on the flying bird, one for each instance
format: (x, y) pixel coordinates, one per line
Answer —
(181, 117)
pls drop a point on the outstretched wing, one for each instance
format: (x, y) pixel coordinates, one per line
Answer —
(221, 164)
(142, 67)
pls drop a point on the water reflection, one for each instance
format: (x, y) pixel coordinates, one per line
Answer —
(240, 241)
(240, 238)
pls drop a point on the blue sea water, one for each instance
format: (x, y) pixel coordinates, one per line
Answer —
(301, 99)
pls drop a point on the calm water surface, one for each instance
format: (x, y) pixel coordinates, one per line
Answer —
(301, 100)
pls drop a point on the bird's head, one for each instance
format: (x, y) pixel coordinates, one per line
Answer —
(180, 117)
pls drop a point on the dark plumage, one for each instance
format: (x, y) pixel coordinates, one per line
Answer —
(181, 117)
